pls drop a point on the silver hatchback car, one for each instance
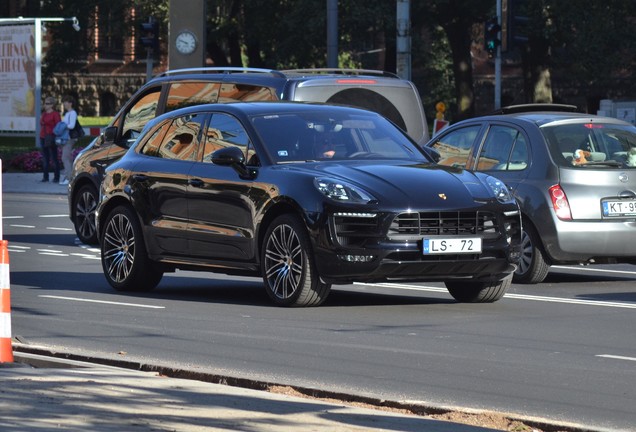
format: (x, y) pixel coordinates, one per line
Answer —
(573, 174)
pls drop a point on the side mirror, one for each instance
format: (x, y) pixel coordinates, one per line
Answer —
(110, 134)
(233, 157)
(228, 156)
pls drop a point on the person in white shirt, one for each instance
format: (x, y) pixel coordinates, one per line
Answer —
(70, 118)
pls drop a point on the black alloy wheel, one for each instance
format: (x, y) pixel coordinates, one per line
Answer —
(287, 265)
(124, 258)
(84, 207)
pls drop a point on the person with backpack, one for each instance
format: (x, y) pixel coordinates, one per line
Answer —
(72, 124)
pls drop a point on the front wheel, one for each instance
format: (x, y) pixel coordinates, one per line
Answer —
(124, 258)
(478, 292)
(533, 267)
(287, 265)
(84, 207)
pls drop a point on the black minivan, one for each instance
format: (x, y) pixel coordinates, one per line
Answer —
(396, 99)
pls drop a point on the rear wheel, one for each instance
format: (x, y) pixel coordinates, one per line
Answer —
(478, 292)
(287, 265)
(532, 267)
(84, 207)
(124, 258)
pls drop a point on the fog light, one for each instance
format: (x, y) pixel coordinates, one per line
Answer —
(356, 258)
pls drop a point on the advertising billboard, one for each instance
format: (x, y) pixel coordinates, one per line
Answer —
(17, 78)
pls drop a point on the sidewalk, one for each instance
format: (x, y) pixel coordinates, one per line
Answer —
(30, 183)
(78, 396)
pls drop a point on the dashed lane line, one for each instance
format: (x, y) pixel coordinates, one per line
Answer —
(616, 357)
(508, 295)
(102, 302)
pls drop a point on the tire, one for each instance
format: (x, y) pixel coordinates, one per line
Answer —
(478, 292)
(533, 267)
(124, 258)
(287, 265)
(84, 207)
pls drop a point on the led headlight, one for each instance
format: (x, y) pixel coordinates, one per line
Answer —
(342, 191)
(499, 189)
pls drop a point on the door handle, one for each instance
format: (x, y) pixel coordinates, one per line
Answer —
(195, 182)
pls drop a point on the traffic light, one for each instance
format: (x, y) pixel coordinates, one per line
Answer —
(491, 36)
(150, 34)
(516, 23)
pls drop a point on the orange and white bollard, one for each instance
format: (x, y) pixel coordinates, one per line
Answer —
(6, 351)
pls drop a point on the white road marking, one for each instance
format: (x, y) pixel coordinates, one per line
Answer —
(59, 229)
(49, 250)
(81, 255)
(598, 270)
(12, 217)
(60, 254)
(22, 226)
(616, 357)
(18, 246)
(53, 216)
(508, 296)
(102, 302)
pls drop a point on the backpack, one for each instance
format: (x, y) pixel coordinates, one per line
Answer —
(77, 131)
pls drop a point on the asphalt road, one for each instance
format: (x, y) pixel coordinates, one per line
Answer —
(563, 350)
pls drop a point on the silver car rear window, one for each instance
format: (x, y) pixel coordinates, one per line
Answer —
(592, 144)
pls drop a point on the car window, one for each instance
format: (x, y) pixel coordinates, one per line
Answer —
(179, 141)
(246, 93)
(601, 144)
(224, 131)
(140, 113)
(454, 147)
(183, 94)
(314, 136)
(504, 149)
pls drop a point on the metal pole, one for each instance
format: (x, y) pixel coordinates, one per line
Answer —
(498, 62)
(403, 60)
(38, 79)
(332, 33)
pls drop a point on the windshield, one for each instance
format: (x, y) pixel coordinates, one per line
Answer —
(326, 135)
(592, 144)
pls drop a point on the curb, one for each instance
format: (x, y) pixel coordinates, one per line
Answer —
(46, 358)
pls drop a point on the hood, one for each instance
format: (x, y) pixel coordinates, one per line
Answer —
(403, 182)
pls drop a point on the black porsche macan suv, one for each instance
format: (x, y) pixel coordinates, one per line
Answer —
(305, 196)
(396, 99)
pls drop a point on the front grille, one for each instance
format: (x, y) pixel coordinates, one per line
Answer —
(412, 226)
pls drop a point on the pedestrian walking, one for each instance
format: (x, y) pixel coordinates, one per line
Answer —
(70, 118)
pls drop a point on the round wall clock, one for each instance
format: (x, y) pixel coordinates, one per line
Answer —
(186, 42)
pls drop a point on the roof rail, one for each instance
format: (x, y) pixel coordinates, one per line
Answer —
(227, 70)
(339, 71)
(511, 109)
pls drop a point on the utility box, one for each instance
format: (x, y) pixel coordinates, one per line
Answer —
(623, 110)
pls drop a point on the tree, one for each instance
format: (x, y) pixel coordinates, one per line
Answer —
(457, 18)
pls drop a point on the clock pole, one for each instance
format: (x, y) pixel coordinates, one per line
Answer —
(187, 34)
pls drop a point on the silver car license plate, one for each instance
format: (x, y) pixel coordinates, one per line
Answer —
(619, 208)
(451, 245)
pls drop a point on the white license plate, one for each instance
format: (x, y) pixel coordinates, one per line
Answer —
(619, 208)
(451, 245)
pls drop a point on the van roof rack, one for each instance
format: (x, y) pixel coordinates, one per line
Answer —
(339, 71)
(511, 109)
(226, 70)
